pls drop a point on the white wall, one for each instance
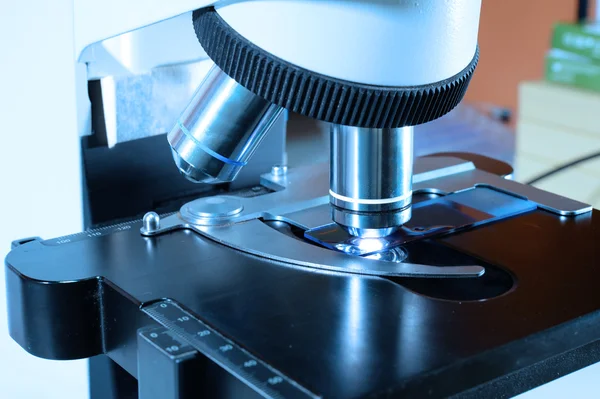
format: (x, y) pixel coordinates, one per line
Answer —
(39, 168)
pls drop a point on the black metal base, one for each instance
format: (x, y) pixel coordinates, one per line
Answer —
(338, 335)
(109, 381)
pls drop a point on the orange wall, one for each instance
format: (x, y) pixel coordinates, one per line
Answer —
(514, 35)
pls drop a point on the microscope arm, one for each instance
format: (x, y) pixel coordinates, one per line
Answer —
(95, 21)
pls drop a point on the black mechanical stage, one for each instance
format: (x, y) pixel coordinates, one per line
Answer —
(486, 300)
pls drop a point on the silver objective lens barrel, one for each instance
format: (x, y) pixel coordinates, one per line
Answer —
(371, 179)
(220, 129)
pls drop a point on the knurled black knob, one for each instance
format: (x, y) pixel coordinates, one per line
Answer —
(323, 97)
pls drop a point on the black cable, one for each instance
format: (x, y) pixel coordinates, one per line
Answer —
(563, 167)
(582, 11)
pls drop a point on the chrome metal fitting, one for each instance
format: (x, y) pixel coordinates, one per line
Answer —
(220, 129)
(371, 179)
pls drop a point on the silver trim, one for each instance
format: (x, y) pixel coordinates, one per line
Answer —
(300, 199)
(371, 169)
(372, 201)
(220, 129)
(256, 238)
(550, 202)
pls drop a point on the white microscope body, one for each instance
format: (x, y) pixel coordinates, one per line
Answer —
(56, 48)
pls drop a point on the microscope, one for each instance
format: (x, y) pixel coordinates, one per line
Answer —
(378, 275)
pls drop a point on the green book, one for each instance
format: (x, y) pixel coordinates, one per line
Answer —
(583, 40)
(572, 69)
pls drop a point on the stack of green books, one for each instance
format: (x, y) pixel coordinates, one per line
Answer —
(575, 56)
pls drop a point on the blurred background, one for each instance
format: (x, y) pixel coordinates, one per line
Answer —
(547, 76)
(514, 37)
(542, 69)
(534, 102)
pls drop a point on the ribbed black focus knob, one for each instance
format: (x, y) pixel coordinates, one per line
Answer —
(322, 97)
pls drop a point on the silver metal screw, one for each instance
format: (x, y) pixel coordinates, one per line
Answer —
(279, 170)
(151, 222)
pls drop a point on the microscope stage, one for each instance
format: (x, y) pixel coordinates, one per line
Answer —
(233, 319)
